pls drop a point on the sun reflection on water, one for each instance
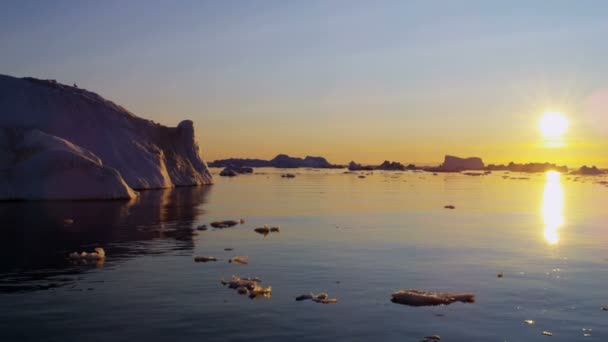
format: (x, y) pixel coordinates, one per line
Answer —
(553, 207)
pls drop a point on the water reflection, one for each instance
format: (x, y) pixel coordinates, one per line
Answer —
(553, 207)
(35, 240)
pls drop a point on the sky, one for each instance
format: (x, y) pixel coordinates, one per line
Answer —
(348, 80)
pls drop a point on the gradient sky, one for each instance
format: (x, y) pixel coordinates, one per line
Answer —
(363, 80)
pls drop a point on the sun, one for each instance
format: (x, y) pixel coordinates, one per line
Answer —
(553, 125)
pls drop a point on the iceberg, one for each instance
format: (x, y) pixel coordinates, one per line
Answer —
(81, 132)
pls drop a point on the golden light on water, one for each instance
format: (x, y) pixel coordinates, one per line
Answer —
(553, 126)
(553, 207)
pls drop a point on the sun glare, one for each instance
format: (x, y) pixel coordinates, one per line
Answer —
(553, 125)
(553, 207)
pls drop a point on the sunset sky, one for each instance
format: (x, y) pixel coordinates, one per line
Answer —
(363, 80)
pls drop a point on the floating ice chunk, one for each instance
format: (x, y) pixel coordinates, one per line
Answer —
(204, 259)
(239, 259)
(415, 297)
(98, 254)
(322, 298)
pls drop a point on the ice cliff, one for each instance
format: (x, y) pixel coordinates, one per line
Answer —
(63, 142)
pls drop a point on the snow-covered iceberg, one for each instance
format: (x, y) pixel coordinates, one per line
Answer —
(86, 146)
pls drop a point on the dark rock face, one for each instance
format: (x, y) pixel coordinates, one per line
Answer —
(529, 167)
(352, 166)
(391, 166)
(386, 165)
(286, 162)
(316, 162)
(282, 161)
(588, 171)
(236, 162)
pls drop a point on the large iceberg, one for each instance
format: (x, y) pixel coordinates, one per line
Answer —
(457, 164)
(86, 146)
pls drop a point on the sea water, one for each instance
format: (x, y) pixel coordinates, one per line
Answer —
(358, 239)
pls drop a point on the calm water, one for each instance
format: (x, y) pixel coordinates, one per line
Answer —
(357, 239)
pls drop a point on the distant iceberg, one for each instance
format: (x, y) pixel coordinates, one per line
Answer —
(281, 161)
(63, 142)
(457, 164)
